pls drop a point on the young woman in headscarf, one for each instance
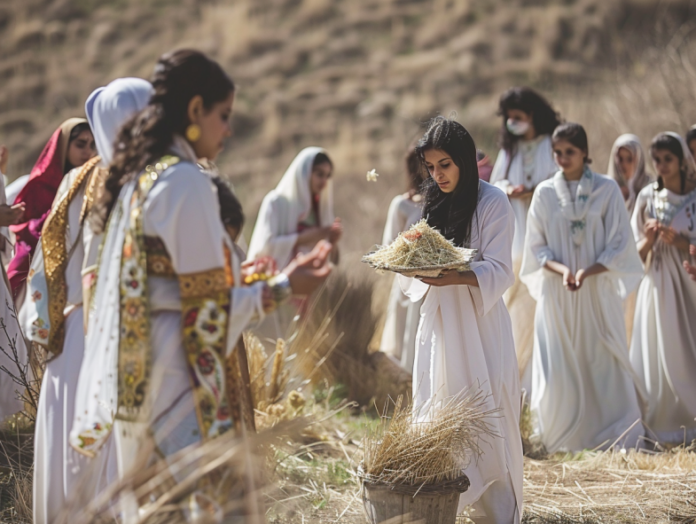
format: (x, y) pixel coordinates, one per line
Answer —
(663, 347)
(464, 340)
(166, 314)
(399, 335)
(627, 168)
(525, 160)
(65, 241)
(70, 146)
(293, 218)
(579, 264)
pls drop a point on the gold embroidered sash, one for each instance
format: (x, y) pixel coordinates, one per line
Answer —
(55, 252)
(134, 352)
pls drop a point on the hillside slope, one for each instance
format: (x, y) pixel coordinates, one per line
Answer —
(356, 76)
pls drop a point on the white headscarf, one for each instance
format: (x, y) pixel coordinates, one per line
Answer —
(689, 163)
(287, 206)
(640, 178)
(109, 107)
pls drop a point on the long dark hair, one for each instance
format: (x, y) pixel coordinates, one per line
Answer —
(451, 213)
(544, 116)
(178, 77)
(665, 142)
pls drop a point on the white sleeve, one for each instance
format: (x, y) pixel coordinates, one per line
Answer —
(494, 270)
(266, 241)
(498, 178)
(536, 249)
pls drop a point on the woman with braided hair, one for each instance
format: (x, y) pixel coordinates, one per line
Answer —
(464, 341)
(163, 369)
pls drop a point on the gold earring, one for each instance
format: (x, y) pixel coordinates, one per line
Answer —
(193, 133)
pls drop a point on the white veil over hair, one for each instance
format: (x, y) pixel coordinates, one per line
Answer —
(275, 232)
(640, 177)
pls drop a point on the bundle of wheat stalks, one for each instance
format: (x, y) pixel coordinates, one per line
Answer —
(404, 451)
(420, 248)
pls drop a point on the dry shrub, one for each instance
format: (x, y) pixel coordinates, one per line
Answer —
(336, 334)
(405, 450)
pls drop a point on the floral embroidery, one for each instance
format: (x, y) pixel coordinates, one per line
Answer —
(134, 356)
(159, 262)
(36, 296)
(205, 302)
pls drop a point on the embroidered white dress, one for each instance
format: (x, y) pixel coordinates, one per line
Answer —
(182, 211)
(57, 467)
(584, 390)
(401, 324)
(663, 346)
(465, 343)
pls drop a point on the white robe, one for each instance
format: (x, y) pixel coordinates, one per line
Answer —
(401, 324)
(183, 211)
(10, 402)
(276, 230)
(584, 391)
(663, 346)
(465, 343)
(57, 466)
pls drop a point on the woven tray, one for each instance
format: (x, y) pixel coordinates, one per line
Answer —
(458, 485)
(427, 271)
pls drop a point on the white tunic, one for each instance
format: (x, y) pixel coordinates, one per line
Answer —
(399, 335)
(583, 392)
(530, 166)
(465, 343)
(663, 346)
(183, 211)
(57, 466)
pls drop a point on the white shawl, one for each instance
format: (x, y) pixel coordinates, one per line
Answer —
(275, 233)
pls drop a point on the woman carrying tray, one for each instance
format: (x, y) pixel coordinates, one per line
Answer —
(464, 340)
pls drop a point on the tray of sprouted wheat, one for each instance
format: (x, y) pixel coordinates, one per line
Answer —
(420, 251)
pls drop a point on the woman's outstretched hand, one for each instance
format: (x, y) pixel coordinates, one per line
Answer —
(307, 272)
(11, 215)
(451, 277)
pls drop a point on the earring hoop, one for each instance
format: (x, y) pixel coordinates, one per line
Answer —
(193, 133)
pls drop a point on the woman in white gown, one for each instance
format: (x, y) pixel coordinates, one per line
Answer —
(579, 263)
(663, 347)
(465, 337)
(627, 168)
(525, 160)
(293, 217)
(167, 309)
(399, 335)
(58, 467)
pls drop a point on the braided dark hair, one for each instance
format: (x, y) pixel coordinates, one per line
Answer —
(665, 142)
(544, 117)
(178, 77)
(451, 213)
(231, 212)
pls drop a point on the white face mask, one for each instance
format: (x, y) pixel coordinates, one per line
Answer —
(517, 127)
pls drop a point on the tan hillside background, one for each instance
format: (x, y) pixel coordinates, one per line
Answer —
(356, 76)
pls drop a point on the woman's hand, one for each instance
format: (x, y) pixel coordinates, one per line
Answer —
(311, 236)
(650, 229)
(518, 191)
(690, 268)
(582, 274)
(11, 215)
(307, 272)
(336, 231)
(671, 237)
(569, 281)
(451, 277)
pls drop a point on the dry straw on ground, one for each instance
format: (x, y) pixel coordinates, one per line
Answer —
(405, 450)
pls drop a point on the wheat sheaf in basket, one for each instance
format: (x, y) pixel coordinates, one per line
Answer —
(420, 251)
